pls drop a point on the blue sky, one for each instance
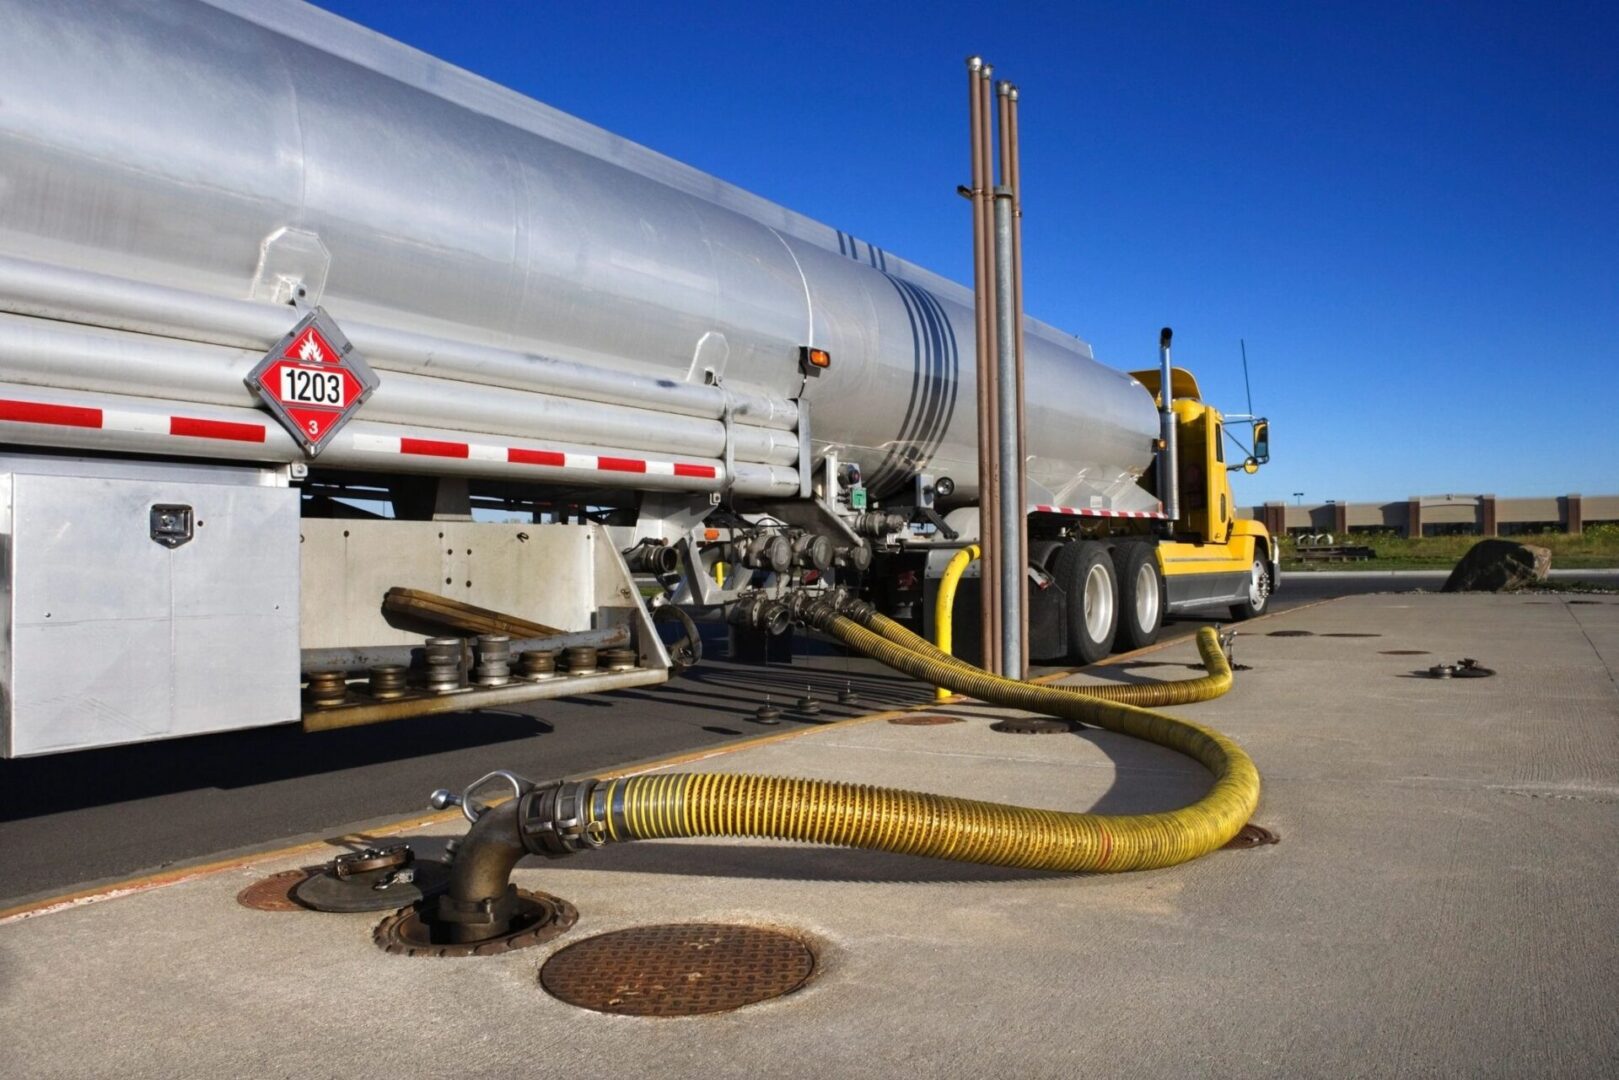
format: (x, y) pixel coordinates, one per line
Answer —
(1410, 212)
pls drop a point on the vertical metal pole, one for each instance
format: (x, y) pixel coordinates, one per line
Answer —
(1012, 565)
(1168, 467)
(985, 365)
(993, 554)
(1014, 179)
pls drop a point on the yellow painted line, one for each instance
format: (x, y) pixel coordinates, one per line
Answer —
(165, 878)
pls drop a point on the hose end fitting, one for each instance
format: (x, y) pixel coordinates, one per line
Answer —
(554, 819)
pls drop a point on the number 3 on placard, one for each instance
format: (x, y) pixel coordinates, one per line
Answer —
(314, 427)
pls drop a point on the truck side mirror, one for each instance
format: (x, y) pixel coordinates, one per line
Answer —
(1261, 443)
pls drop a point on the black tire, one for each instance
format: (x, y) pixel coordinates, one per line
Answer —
(1260, 580)
(1084, 572)
(1141, 596)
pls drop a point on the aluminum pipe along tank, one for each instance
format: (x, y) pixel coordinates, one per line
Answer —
(222, 150)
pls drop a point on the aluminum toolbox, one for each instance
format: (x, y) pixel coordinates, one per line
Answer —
(154, 602)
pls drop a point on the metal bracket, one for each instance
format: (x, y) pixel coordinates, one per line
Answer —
(730, 448)
(806, 481)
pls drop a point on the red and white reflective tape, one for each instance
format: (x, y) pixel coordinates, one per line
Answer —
(1080, 511)
(192, 427)
(516, 455)
(82, 416)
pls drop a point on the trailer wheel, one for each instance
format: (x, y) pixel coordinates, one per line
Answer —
(1085, 573)
(1258, 598)
(1141, 595)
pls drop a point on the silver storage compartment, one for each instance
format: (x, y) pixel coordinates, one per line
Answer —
(124, 621)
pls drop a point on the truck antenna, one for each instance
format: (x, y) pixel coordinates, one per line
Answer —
(1246, 387)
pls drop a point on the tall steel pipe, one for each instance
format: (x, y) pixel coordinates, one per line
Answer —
(1168, 463)
(988, 521)
(1010, 523)
(1014, 180)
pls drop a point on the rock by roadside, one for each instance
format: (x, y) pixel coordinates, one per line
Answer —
(1494, 565)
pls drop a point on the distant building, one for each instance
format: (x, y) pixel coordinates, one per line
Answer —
(1440, 515)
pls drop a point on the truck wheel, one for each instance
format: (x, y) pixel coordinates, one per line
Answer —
(1085, 573)
(1141, 595)
(1258, 598)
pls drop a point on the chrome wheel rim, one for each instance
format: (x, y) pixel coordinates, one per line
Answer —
(1098, 602)
(1146, 597)
(1258, 585)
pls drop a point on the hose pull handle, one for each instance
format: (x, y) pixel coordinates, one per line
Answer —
(471, 807)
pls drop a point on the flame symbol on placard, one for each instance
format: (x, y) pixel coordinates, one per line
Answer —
(311, 351)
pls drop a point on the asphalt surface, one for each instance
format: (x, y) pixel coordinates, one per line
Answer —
(100, 815)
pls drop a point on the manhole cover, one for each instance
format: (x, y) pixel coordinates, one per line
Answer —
(923, 720)
(274, 893)
(1291, 633)
(1403, 652)
(1584, 601)
(1351, 635)
(678, 970)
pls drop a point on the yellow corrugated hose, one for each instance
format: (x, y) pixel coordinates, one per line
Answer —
(966, 830)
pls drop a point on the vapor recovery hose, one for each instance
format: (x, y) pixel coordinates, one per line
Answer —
(1183, 692)
(938, 826)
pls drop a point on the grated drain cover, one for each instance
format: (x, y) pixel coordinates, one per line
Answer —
(683, 969)
(1404, 652)
(1351, 635)
(923, 720)
(274, 893)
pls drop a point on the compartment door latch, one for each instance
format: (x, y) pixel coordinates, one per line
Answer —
(171, 524)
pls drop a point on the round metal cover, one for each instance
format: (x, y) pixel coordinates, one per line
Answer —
(923, 720)
(1032, 725)
(1291, 633)
(678, 970)
(325, 891)
(275, 893)
(1404, 652)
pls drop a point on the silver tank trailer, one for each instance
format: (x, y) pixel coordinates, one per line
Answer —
(189, 145)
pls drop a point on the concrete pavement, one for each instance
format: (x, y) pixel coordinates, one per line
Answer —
(1442, 902)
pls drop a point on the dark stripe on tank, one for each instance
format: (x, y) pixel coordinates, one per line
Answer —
(880, 476)
(934, 385)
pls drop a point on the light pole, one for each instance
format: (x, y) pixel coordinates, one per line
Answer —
(1299, 495)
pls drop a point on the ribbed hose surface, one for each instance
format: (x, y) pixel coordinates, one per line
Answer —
(938, 826)
(1184, 692)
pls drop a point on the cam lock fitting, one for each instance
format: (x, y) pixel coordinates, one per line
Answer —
(554, 819)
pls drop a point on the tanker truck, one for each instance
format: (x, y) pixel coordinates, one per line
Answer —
(338, 384)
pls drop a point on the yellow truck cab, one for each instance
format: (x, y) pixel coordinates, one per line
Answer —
(1211, 558)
